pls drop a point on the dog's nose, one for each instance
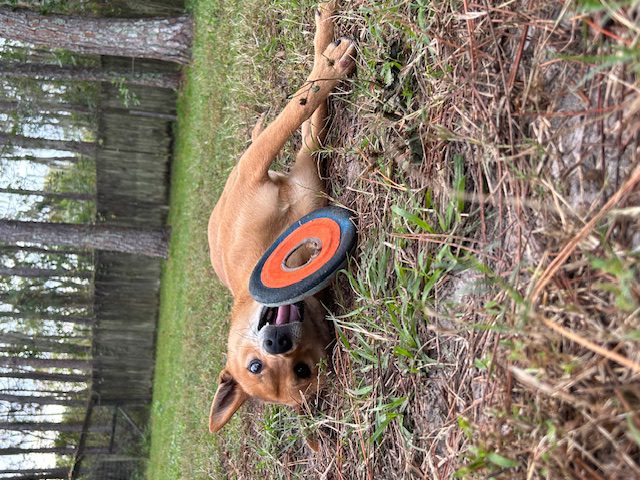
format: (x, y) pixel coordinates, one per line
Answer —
(277, 342)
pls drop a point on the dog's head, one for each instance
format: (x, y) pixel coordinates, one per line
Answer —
(273, 355)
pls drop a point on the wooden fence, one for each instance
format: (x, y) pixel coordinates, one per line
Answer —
(133, 166)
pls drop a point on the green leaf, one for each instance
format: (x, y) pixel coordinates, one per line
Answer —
(501, 461)
(388, 418)
(360, 392)
(402, 351)
(632, 335)
(394, 404)
(459, 182)
(412, 218)
(633, 430)
(428, 200)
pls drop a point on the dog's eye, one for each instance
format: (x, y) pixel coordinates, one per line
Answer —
(302, 370)
(255, 367)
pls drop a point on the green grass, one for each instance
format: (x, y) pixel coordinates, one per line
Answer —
(194, 305)
(440, 367)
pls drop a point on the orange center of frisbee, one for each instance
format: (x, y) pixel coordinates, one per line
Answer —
(322, 231)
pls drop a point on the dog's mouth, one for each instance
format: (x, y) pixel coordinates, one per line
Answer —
(281, 315)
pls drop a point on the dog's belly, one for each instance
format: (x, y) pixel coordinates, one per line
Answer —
(243, 225)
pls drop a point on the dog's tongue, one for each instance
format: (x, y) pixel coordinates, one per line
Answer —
(287, 314)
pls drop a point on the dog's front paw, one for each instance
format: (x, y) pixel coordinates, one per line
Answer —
(337, 61)
(326, 9)
(324, 28)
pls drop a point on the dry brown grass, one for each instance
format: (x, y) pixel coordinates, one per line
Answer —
(489, 327)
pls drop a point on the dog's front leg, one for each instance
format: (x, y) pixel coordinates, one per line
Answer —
(332, 66)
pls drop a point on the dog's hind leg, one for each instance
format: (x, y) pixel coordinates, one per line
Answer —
(330, 66)
(324, 29)
(305, 173)
(304, 176)
(314, 130)
(258, 128)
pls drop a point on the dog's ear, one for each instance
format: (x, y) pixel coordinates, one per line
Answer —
(229, 397)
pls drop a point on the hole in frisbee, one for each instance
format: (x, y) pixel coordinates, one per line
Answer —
(302, 254)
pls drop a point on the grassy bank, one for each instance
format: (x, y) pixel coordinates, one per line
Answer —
(474, 147)
(193, 304)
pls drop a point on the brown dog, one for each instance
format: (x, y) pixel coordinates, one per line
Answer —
(273, 353)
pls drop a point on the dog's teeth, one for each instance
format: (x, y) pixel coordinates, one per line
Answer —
(268, 316)
(294, 313)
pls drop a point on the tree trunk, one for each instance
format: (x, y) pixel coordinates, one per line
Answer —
(48, 377)
(55, 450)
(85, 148)
(42, 316)
(13, 362)
(166, 39)
(46, 251)
(152, 243)
(70, 349)
(42, 160)
(40, 106)
(52, 471)
(42, 344)
(80, 197)
(45, 299)
(43, 400)
(36, 474)
(37, 105)
(50, 426)
(87, 74)
(34, 272)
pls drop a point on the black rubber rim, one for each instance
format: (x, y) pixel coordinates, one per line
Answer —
(274, 297)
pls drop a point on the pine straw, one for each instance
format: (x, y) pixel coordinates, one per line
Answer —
(515, 373)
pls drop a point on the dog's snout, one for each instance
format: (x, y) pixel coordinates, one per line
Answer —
(277, 342)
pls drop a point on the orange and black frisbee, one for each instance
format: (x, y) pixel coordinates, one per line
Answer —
(304, 259)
